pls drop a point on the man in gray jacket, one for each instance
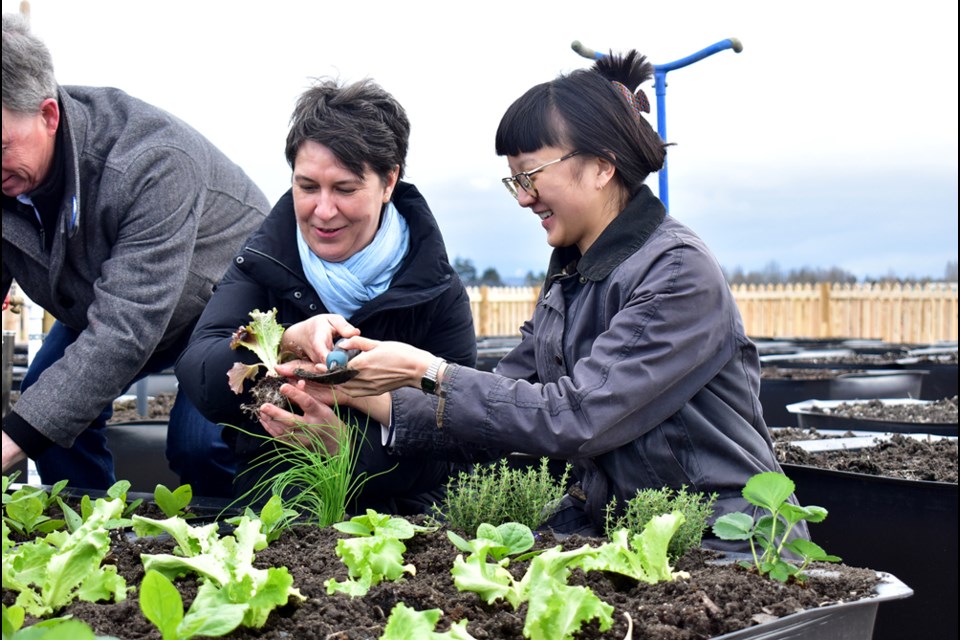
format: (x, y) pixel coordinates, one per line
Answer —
(118, 219)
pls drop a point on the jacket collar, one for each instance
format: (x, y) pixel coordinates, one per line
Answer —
(617, 242)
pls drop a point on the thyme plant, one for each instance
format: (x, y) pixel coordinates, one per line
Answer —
(495, 494)
(696, 508)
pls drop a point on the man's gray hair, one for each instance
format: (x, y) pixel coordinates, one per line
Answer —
(28, 77)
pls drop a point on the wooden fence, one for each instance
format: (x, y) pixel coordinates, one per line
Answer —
(915, 314)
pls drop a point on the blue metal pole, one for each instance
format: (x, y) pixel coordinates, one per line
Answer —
(660, 87)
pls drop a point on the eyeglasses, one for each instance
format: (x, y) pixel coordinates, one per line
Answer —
(524, 179)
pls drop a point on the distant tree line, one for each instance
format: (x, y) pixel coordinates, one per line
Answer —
(490, 277)
(770, 274)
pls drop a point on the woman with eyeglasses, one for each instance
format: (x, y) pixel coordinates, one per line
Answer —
(350, 241)
(634, 367)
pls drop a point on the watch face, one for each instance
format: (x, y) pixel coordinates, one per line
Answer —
(428, 385)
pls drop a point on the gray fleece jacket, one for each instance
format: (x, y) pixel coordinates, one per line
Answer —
(152, 214)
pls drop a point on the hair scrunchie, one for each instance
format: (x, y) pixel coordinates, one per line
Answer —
(638, 101)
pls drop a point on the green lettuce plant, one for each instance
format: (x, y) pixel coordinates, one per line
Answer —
(374, 553)
(62, 628)
(642, 556)
(274, 518)
(555, 609)
(208, 616)
(226, 562)
(51, 572)
(26, 509)
(262, 336)
(173, 503)
(771, 491)
(405, 623)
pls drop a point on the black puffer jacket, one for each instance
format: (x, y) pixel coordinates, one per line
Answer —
(426, 306)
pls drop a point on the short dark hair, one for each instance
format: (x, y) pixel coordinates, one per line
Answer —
(584, 110)
(360, 123)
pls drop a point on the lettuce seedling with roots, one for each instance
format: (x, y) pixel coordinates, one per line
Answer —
(262, 336)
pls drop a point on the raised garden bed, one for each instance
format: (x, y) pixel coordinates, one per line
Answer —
(884, 415)
(892, 502)
(718, 600)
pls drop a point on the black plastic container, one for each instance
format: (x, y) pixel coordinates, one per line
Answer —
(139, 454)
(809, 418)
(905, 527)
(782, 387)
(941, 379)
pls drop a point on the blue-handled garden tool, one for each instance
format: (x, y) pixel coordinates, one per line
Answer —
(337, 370)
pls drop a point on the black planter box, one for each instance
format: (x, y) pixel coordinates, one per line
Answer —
(809, 418)
(905, 527)
(776, 393)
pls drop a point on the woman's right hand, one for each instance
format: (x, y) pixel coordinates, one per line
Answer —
(313, 338)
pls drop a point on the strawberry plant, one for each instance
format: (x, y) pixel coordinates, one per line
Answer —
(771, 491)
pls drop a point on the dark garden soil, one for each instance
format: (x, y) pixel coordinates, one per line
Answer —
(798, 373)
(158, 408)
(936, 412)
(898, 457)
(715, 600)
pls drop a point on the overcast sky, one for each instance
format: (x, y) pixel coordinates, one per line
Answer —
(830, 140)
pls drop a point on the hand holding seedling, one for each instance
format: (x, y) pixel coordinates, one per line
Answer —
(385, 366)
(289, 427)
(313, 339)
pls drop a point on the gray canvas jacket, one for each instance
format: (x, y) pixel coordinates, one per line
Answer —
(635, 366)
(151, 217)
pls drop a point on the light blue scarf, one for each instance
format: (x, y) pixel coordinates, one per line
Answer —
(345, 286)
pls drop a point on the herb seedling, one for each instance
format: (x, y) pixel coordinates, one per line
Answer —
(173, 503)
(771, 491)
(496, 493)
(696, 509)
(314, 474)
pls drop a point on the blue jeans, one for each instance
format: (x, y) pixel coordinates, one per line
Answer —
(195, 450)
